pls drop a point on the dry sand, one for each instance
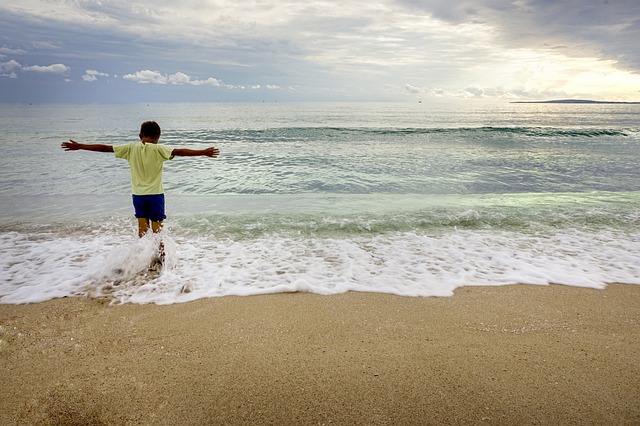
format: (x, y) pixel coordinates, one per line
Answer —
(512, 355)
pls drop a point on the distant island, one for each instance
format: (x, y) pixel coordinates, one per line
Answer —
(572, 101)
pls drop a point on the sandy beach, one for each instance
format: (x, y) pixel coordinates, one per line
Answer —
(488, 355)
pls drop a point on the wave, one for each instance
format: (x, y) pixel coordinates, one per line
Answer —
(527, 131)
(350, 133)
(115, 266)
(423, 223)
(388, 244)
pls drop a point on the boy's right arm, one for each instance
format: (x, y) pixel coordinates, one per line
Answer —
(75, 146)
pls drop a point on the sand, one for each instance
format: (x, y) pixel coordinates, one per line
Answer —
(488, 355)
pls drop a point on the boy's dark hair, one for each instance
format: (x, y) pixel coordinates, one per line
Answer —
(150, 129)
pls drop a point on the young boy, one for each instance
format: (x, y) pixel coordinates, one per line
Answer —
(145, 160)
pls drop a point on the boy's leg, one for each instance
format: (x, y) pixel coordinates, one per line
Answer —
(143, 226)
(157, 227)
(150, 213)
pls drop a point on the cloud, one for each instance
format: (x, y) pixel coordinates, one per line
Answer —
(606, 29)
(8, 69)
(156, 77)
(92, 75)
(482, 92)
(46, 45)
(147, 77)
(413, 89)
(391, 49)
(9, 66)
(4, 50)
(178, 78)
(48, 69)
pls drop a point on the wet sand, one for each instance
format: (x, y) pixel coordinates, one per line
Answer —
(488, 355)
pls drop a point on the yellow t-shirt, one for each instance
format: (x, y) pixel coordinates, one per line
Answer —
(145, 161)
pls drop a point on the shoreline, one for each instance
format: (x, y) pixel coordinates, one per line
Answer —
(518, 354)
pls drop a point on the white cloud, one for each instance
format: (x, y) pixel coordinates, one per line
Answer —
(147, 77)
(209, 82)
(8, 69)
(92, 75)
(178, 78)
(48, 69)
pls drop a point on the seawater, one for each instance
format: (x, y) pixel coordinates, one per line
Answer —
(407, 199)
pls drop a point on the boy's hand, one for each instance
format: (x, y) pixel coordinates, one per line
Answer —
(70, 146)
(212, 151)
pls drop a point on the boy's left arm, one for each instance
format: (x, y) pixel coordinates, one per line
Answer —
(186, 152)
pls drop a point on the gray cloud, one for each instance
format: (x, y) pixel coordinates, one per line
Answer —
(607, 29)
(379, 49)
(4, 50)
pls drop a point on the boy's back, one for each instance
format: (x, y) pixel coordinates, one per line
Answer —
(145, 161)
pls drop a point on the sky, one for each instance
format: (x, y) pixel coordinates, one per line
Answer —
(129, 51)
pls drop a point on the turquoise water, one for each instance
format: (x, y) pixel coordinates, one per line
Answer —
(411, 199)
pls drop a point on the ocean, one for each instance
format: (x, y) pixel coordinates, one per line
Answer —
(413, 199)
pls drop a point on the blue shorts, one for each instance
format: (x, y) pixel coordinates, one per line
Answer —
(149, 207)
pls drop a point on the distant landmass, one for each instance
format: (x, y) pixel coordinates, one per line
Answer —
(572, 101)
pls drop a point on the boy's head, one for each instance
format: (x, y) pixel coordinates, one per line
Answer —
(150, 130)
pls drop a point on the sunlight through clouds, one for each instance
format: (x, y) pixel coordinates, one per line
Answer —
(323, 50)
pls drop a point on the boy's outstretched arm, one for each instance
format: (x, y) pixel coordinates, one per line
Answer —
(74, 146)
(186, 152)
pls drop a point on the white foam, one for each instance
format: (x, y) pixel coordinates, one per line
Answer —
(36, 267)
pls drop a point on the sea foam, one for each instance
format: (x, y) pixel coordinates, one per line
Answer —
(37, 267)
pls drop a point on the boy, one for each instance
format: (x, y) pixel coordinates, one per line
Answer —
(145, 160)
